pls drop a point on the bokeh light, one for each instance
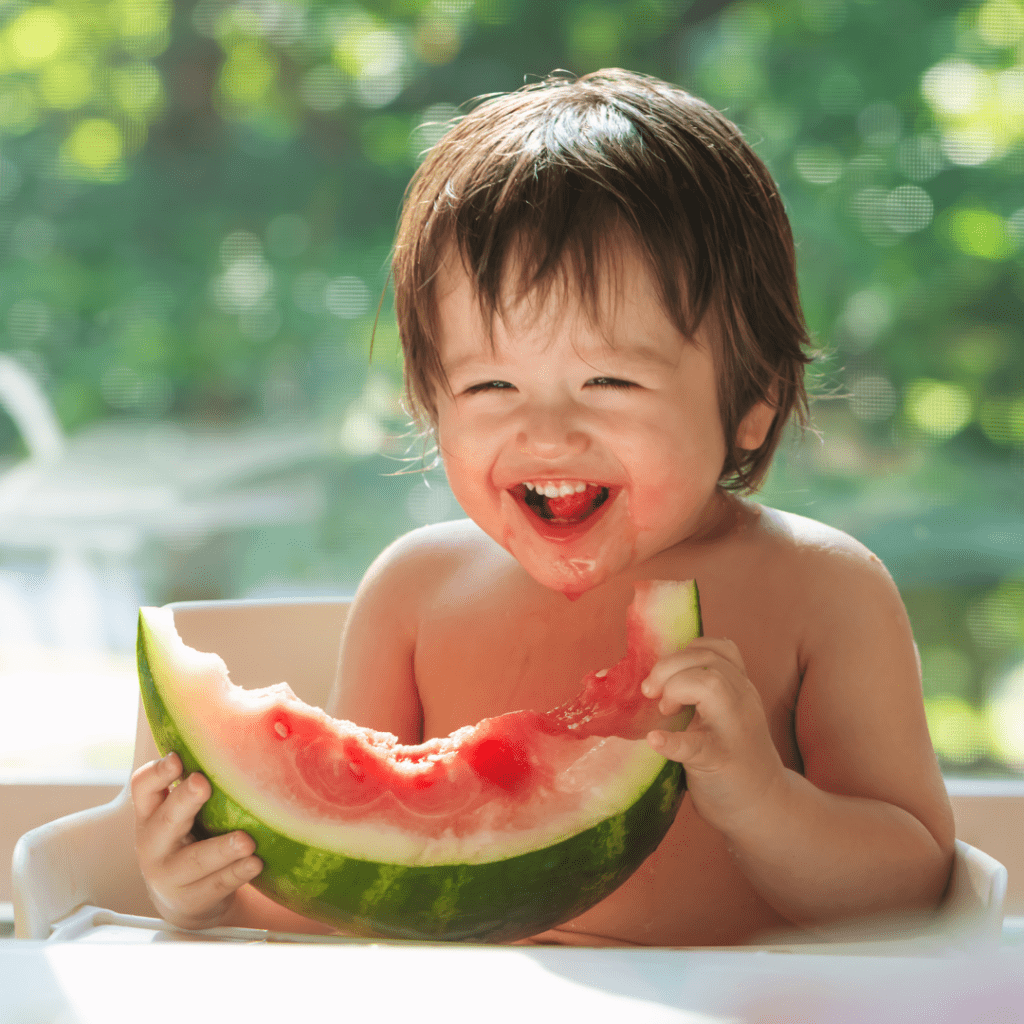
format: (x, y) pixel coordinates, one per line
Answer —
(940, 409)
(959, 731)
(95, 145)
(980, 233)
(819, 165)
(347, 297)
(37, 35)
(1002, 420)
(867, 314)
(907, 209)
(872, 398)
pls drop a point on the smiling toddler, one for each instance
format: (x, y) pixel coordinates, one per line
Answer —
(596, 291)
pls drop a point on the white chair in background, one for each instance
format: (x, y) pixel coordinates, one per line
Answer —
(88, 858)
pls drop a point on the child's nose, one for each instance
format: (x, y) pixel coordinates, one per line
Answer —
(550, 433)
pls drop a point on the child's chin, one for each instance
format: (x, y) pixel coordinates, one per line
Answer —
(569, 574)
(571, 565)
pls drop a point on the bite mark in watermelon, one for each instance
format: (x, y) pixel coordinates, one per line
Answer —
(493, 833)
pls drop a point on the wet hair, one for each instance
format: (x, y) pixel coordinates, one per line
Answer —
(537, 187)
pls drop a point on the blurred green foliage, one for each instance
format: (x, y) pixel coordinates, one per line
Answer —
(197, 202)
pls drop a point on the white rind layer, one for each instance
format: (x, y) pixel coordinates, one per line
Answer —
(671, 612)
(607, 778)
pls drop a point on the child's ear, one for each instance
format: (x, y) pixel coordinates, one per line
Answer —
(754, 427)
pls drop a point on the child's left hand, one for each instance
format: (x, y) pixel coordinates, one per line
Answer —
(730, 760)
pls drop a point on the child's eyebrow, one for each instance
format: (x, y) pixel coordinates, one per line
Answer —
(641, 354)
(453, 366)
(614, 354)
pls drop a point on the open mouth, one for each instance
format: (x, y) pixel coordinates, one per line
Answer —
(562, 504)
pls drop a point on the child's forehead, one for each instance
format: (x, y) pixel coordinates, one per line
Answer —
(619, 282)
(624, 316)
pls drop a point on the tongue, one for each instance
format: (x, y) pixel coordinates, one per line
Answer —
(569, 506)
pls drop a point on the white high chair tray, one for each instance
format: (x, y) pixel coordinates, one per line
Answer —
(117, 982)
(99, 925)
(95, 924)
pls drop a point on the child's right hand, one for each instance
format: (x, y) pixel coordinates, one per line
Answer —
(191, 882)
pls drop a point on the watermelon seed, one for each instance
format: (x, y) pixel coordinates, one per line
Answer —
(602, 673)
(281, 729)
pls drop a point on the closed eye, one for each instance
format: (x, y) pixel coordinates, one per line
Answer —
(611, 382)
(491, 385)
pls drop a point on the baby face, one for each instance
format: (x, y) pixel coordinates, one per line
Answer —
(583, 448)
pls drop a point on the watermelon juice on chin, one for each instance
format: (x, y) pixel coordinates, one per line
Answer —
(475, 836)
(569, 555)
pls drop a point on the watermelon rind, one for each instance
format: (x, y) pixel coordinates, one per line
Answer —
(498, 896)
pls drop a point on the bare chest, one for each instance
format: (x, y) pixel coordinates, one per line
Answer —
(498, 653)
(486, 654)
(478, 662)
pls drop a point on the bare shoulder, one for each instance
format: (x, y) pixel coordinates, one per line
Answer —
(407, 574)
(448, 541)
(823, 560)
(441, 549)
(836, 595)
(840, 593)
(808, 536)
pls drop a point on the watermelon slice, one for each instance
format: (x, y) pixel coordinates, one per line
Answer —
(494, 833)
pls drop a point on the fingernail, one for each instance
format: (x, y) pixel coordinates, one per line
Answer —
(656, 739)
(254, 867)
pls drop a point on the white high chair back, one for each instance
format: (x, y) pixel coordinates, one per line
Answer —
(88, 858)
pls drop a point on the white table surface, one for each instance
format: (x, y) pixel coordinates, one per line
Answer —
(111, 982)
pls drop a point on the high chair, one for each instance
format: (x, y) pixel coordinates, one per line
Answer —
(88, 858)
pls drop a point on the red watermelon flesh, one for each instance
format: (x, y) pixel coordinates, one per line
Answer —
(448, 785)
(514, 775)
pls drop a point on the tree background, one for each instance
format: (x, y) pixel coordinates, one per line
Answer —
(197, 203)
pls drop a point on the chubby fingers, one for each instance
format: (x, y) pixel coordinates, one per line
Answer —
(150, 784)
(201, 903)
(210, 869)
(707, 673)
(676, 746)
(164, 820)
(164, 812)
(189, 879)
(194, 886)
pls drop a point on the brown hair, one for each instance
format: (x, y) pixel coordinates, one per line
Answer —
(544, 178)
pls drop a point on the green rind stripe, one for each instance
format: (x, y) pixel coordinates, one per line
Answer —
(498, 901)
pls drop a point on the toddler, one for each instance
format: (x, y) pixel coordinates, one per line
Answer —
(596, 290)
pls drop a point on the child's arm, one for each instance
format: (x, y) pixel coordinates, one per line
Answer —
(867, 828)
(376, 684)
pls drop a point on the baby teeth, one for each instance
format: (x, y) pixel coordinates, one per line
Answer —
(553, 490)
